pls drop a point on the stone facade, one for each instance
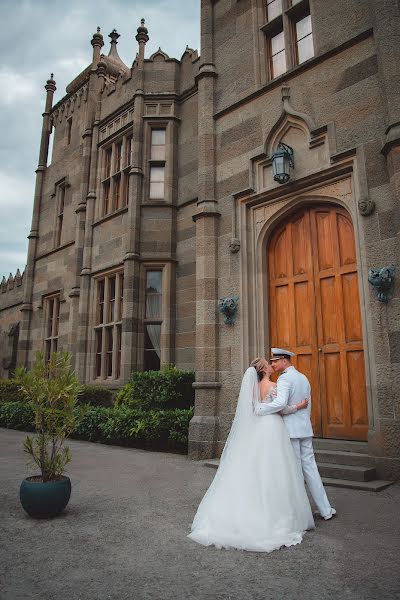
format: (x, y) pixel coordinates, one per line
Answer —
(223, 115)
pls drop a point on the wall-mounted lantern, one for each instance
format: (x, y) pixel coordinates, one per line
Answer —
(282, 162)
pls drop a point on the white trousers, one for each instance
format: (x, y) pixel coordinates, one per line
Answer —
(304, 452)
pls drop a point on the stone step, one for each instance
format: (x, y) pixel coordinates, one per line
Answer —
(376, 485)
(340, 445)
(339, 457)
(349, 472)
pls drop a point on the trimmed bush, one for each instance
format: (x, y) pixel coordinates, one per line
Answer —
(10, 392)
(90, 428)
(164, 430)
(95, 395)
(17, 415)
(155, 390)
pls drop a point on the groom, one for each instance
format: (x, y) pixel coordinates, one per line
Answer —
(293, 387)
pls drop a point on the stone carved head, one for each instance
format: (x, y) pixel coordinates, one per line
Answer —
(383, 281)
(228, 307)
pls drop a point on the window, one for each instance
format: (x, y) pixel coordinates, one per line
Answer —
(128, 151)
(157, 176)
(60, 204)
(273, 9)
(157, 164)
(108, 326)
(52, 320)
(288, 32)
(69, 130)
(158, 144)
(115, 175)
(153, 321)
(277, 55)
(304, 41)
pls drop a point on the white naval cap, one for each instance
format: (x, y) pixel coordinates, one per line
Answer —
(280, 353)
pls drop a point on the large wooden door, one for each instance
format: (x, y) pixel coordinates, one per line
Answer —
(314, 310)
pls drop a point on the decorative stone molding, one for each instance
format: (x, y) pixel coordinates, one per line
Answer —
(366, 207)
(159, 54)
(383, 281)
(66, 108)
(234, 245)
(228, 307)
(116, 124)
(12, 282)
(313, 146)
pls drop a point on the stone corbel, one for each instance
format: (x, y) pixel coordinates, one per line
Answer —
(228, 307)
(366, 207)
(383, 282)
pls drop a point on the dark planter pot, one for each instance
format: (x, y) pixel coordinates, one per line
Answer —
(44, 500)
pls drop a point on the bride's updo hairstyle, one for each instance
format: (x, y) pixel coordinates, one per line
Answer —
(260, 364)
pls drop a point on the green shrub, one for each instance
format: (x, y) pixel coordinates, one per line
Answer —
(156, 429)
(125, 397)
(10, 392)
(90, 426)
(95, 395)
(17, 415)
(51, 390)
(152, 390)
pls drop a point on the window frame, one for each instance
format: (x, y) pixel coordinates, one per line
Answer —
(52, 309)
(108, 302)
(286, 23)
(156, 320)
(60, 195)
(115, 166)
(157, 163)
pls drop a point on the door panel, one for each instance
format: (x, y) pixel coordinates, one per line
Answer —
(315, 312)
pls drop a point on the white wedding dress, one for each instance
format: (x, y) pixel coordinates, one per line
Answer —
(257, 500)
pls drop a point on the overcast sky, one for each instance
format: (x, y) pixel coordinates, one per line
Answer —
(40, 37)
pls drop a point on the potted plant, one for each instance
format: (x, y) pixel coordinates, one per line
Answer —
(52, 389)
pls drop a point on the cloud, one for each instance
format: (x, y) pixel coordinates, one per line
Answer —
(44, 37)
(15, 88)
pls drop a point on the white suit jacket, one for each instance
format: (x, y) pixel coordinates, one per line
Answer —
(292, 388)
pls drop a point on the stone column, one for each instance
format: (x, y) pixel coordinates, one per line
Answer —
(132, 266)
(204, 425)
(26, 308)
(80, 294)
(385, 439)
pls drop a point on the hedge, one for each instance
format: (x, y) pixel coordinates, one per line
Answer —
(10, 392)
(155, 429)
(154, 390)
(95, 395)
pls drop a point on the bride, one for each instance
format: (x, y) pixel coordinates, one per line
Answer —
(257, 500)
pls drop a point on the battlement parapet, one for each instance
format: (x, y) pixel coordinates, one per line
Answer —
(11, 289)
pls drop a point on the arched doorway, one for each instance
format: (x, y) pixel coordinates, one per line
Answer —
(314, 310)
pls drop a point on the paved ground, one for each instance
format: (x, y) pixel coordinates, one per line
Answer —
(123, 537)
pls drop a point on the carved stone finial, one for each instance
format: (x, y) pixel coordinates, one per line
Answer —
(97, 39)
(114, 35)
(142, 32)
(366, 207)
(383, 281)
(234, 245)
(50, 84)
(228, 307)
